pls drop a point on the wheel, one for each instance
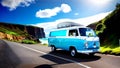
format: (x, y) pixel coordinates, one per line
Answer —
(73, 52)
(53, 49)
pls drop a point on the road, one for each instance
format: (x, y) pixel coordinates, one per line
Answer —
(18, 55)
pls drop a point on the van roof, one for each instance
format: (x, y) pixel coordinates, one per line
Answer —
(67, 24)
(67, 28)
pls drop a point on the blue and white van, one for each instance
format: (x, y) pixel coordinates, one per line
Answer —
(78, 39)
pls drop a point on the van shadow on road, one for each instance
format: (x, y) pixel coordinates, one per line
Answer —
(65, 54)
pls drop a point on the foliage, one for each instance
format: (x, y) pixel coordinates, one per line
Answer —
(107, 28)
(116, 50)
(45, 44)
(110, 50)
(26, 41)
(108, 31)
(100, 28)
(16, 32)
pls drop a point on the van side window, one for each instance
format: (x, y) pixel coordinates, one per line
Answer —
(58, 33)
(73, 32)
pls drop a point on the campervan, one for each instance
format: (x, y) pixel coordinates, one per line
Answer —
(76, 39)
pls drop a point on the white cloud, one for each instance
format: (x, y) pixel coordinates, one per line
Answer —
(48, 26)
(47, 13)
(88, 20)
(100, 2)
(13, 4)
(65, 8)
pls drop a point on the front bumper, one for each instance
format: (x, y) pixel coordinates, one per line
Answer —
(89, 51)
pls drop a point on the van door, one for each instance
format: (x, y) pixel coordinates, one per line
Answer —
(70, 40)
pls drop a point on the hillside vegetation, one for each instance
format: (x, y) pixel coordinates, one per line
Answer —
(16, 32)
(108, 29)
(20, 33)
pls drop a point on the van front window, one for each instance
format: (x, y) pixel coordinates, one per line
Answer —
(86, 32)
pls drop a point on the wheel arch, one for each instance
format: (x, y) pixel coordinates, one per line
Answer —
(72, 47)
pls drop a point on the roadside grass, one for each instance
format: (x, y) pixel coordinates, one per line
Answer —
(116, 50)
(26, 41)
(110, 50)
(45, 44)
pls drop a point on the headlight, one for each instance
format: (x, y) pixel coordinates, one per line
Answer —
(86, 45)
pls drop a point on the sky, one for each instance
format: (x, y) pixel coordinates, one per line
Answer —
(48, 13)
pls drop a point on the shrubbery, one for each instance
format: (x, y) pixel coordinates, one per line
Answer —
(110, 50)
(28, 41)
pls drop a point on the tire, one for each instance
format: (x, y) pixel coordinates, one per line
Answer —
(53, 48)
(91, 54)
(73, 52)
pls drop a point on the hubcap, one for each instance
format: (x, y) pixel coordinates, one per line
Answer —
(52, 48)
(73, 53)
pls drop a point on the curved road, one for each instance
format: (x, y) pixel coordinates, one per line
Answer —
(17, 55)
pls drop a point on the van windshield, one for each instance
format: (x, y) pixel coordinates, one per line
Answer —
(87, 32)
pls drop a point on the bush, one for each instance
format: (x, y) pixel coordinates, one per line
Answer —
(28, 41)
(99, 27)
(45, 44)
(116, 50)
(105, 50)
(110, 50)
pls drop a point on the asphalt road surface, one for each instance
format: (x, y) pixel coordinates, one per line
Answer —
(18, 55)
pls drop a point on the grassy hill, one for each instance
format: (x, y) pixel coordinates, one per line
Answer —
(108, 29)
(14, 31)
(20, 33)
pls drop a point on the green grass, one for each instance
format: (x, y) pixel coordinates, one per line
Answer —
(15, 32)
(8, 31)
(45, 44)
(110, 50)
(28, 41)
(116, 50)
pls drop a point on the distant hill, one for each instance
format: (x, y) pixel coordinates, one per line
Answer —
(108, 29)
(17, 32)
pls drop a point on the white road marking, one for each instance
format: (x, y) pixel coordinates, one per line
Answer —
(56, 56)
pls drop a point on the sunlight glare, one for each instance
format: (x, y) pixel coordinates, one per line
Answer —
(100, 2)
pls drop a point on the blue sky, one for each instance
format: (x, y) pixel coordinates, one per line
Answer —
(42, 11)
(49, 13)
